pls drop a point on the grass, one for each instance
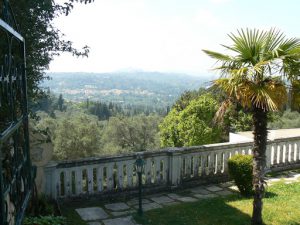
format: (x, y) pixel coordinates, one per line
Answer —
(281, 207)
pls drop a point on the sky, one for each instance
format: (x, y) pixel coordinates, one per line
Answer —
(164, 35)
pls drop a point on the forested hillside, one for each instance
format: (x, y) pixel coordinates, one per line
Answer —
(138, 88)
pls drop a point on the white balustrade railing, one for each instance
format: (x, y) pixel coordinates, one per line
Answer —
(165, 168)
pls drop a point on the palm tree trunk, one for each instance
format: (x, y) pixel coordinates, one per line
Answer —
(259, 161)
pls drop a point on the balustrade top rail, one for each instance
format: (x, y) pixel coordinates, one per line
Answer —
(165, 167)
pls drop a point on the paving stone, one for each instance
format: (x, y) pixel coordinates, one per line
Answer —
(136, 201)
(227, 184)
(187, 199)
(162, 199)
(174, 196)
(93, 213)
(122, 213)
(149, 206)
(120, 221)
(157, 195)
(213, 188)
(200, 196)
(94, 223)
(120, 206)
(224, 193)
(199, 190)
(274, 180)
(171, 203)
(233, 188)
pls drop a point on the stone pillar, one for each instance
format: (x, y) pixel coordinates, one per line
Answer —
(50, 180)
(41, 150)
(175, 178)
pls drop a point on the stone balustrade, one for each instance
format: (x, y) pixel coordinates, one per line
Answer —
(167, 168)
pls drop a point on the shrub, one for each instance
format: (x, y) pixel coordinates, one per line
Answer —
(45, 220)
(240, 170)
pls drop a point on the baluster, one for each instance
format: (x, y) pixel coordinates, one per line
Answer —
(148, 170)
(226, 158)
(157, 169)
(287, 152)
(120, 175)
(78, 180)
(165, 170)
(61, 183)
(268, 156)
(219, 163)
(129, 172)
(293, 151)
(57, 184)
(90, 180)
(67, 176)
(211, 167)
(280, 153)
(275, 154)
(100, 179)
(188, 166)
(297, 155)
(183, 166)
(204, 164)
(196, 165)
(110, 179)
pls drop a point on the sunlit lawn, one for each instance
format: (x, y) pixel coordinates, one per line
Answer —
(281, 207)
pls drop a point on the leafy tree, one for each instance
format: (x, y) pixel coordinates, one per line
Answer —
(295, 101)
(76, 136)
(168, 130)
(43, 40)
(252, 76)
(125, 134)
(287, 120)
(60, 103)
(191, 126)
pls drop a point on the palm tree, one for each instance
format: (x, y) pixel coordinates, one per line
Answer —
(255, 76)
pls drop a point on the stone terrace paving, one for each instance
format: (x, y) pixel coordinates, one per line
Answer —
(119, 213)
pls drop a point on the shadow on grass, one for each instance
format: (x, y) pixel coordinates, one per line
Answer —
(206, 212)
(269, 194)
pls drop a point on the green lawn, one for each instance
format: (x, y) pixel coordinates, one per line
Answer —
(281, 207)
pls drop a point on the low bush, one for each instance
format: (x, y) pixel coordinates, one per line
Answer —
(45, 220)
(240, 170)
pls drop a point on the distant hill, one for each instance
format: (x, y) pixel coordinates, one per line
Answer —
(125, 87)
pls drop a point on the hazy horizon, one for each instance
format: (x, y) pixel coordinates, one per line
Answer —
(165, 36)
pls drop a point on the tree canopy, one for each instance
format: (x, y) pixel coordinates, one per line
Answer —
(43, 39)
(191, 125)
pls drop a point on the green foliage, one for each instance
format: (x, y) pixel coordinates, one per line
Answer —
(287, 120)
(125, 134)
(45, 220)
(240, 170)
(240, 120)
(191, 126)
(76, 136)
(295, 95)
(146, 92)
(43, 39)
(41, 206)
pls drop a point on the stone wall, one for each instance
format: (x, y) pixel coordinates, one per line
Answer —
(41, 150)
(168, 168)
